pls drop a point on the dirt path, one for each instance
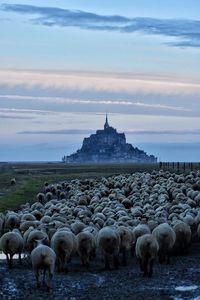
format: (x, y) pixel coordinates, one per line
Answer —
(180, 280)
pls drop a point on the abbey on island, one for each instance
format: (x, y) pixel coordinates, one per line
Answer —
(107, 145)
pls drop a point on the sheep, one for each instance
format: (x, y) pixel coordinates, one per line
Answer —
(63, 243)
(77, 227)
(26, 224)
(12, 181)
(126, 240)
(37, 214)
(86, 246)
(2, 222)
(12, 220)
(166, 238)
(183, 238)
(28, 217)
(41, 198)
(43, 258)
(146, 251)
(108, 241)
(12, 243)
(188, 219)
(139, 230)
(36, 235)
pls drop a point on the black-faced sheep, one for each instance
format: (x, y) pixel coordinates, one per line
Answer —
(12, 181)
(146, 251)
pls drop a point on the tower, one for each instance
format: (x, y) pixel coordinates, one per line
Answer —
(106, 125)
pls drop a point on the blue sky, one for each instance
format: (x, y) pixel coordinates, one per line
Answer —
(63, 64)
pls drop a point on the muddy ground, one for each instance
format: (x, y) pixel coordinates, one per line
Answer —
(179, 280)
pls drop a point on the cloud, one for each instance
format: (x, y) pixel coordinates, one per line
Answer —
(2, 116)
(61, 100)
(24, 111)
(185, 31)
(22, 114)
(99, 82)
(126, 131)
(164, 132)
(63, 131)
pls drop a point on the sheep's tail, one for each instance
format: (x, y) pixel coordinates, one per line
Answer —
(164, 236)
(62, 245)
(43, 255)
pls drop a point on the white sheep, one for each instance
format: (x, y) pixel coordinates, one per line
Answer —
(12, 243)
(166, 238)
(139, 230)
(43, 258)
(28, 217)
(108, 240)
(126, 240)
(36, 235)
(86, 246)
(183, 238)
(12, 220)
(63, 242)
(146, 251)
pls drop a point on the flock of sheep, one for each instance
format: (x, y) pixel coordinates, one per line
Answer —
(150, 214)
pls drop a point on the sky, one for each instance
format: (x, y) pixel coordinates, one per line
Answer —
(64, 64)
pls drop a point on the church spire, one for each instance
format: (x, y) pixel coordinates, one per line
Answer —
(106, 125)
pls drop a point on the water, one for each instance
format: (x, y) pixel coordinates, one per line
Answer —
(3, 256)
(186, 288)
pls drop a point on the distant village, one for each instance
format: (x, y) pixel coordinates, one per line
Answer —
(107, 145)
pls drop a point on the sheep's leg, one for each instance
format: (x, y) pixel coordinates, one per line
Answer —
(10, 262)
(133, 250)
(37, 278)
(93, 253)
(82, 261)
(145, 266)
(150, 268)
(87, 260)
(141, 265)
(161, 258)
(83, 258)
(50, 280)
(116, 262)
(186, 249)
(60, 264)
(50, 272)
(64, 267)
(124, 260)
(44, 273)
(168, 259)
(20, 259)
(107, 264)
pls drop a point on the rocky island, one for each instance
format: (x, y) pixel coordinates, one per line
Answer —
(107, 145)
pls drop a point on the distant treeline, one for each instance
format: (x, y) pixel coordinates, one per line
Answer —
(180, 166)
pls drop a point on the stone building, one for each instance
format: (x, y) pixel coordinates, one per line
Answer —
(107, 145)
